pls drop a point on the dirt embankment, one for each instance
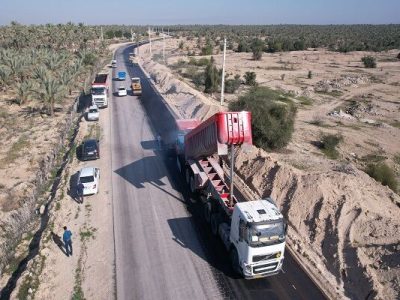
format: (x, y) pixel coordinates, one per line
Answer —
(185, 101)
(343, 223)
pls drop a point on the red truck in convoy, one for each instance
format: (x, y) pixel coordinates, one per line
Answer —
(99, 90)
(253, 232)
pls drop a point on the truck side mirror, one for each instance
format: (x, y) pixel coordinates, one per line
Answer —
(285, 227)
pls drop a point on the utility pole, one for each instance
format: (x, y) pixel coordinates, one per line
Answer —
(223, 74)
(131, 35)
(232, 172)
(151, 53)
(163, 50)
(101, 34)
(137, 44)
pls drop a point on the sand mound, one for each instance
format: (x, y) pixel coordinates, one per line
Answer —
(185, 100)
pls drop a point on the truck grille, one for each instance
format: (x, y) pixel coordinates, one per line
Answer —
(266, 268)
(258, 258)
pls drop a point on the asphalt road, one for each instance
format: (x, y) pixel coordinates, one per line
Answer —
(163, 248)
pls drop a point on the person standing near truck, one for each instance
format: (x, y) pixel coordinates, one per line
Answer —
(79, 191)
(67, 241)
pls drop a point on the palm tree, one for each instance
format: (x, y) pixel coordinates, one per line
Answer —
(50, 92)
(24, 91)
(4, 77)
(40, 73)
(17, 66)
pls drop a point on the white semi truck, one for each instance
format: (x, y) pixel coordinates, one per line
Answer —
(99, 90)
(253, 232)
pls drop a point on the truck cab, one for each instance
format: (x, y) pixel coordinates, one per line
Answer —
(256, 238)
(136, 86)
(121, 75)
(99, 90)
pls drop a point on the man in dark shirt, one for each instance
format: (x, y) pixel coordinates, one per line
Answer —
(67, 240)
(79, 190)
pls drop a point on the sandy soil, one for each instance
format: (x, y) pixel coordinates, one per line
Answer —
(343, 223)
(90, 271)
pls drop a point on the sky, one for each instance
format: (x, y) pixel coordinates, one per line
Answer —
(169, 12)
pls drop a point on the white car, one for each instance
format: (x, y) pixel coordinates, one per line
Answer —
(122, 91)
(93, 113)
(90, 178)
(114, 63)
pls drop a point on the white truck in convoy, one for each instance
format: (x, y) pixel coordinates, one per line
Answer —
(99, 90)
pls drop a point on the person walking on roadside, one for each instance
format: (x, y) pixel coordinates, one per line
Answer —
(67, 241)
(159, 142)
(79, 191)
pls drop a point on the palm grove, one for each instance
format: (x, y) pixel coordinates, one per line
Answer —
(41, 65)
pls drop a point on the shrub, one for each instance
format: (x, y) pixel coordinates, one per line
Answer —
(257, 47)
(396, 158)
(384, 174)
(200, 62)
(329, 143)
(181, 45)
(273, 121)
(198, 79)
(231, 85)
(89, 59)
(309, 76)
(369, 61)
(212, 77)
(250, 78)
(207, 50)
(243, 47)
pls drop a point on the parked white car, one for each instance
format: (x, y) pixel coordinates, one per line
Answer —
(122, 91)
(90, 178)
(93, 113)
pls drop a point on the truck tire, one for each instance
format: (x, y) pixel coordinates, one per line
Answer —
(187, 175)
(215, 221)
(207, 211)
(235, 261)
(192, 185)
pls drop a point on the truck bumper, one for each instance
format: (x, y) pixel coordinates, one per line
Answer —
(265, 269)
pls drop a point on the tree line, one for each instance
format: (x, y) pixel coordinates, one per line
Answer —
(342, 38)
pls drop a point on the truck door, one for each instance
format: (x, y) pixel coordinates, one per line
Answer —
(241, 245)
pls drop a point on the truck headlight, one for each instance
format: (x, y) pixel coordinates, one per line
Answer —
(247, 269)
(279, 254)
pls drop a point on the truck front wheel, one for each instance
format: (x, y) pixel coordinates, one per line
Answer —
(215, 221)
(192, 185)
(187, 175)
(207, 211)
(235, 261)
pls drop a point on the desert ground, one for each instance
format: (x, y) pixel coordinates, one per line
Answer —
(342, 222)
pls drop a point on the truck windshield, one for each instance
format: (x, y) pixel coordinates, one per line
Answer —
(98, 91)
(137, 80)
(263, 234)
